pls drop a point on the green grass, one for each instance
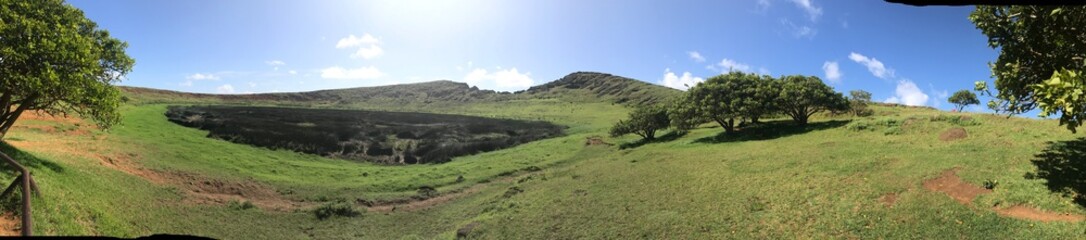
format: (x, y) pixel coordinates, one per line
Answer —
(822, 181)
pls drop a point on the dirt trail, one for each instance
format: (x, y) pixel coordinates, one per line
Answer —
(10, 225)
(963, 192)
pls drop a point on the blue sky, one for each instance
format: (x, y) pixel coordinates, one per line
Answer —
(905, 54)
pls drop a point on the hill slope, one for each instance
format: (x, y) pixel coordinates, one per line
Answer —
(579, 86)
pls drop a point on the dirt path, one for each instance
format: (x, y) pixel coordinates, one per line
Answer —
(963, 192)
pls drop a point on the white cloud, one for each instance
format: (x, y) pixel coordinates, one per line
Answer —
(763, 71)
(501, 80)
(799, 31)
(763, 5)
(200, 76)
(368, 46)
(728, 65)
(873, 65)
(275, 64)
(694, 55)
(907, 93)
(225, 89)
(368, 52)
(347, 74)
(187, 83)
(352, 41)
(683, 82)
(292, 72)
(833, 72)
(252, 84)
(808, 5)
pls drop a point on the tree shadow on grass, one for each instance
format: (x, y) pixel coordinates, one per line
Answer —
(1063, 165)
(771, 130)
(670, 136)
(26, 159)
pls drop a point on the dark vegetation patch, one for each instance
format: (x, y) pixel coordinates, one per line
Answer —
(1063, 164)
(380, 137)
(771, 130)
(670, 136)
(333, 209)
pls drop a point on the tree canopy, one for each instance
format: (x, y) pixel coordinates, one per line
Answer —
(963, 98)
(735, 95)
(1042, 55)
(643, 121)
(803, 96)
(53, 59)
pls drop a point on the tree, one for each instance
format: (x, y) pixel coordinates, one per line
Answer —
(727, 97)
(860, 96)
(858, 103)
(1042, 56)
(803, 96)
(644, 122)
(55, 60)
(963, 98)
(684, 115)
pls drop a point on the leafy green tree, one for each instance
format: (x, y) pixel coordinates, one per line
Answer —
(762, 97)
(1042, 56)
(860, 96)
(55, 60)
(858, 103)
(727, 97)
(803, 96)
(963, 98)
(684, 114)
(644, 122)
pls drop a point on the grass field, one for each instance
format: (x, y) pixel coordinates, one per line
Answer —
(828, 180)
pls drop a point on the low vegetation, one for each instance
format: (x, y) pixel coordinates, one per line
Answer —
(380, 137)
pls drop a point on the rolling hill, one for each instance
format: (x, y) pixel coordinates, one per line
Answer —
(903, 173)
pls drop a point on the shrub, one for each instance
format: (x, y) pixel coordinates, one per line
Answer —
(333, 209)
(243, 205)
(990, 184)
(963, 121)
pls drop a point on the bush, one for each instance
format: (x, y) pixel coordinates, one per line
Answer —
(243, 205)
(333, 209)
(990, 184)
(963, 121)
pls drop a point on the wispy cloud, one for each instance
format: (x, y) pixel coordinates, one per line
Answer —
(873, 65)
(352, 41)
(368, 46)
(814, 12)
(351, 74)
(201, 76)
(763, 6)
(799, 31)
(694, 55)
(729, 65)
(225, 89)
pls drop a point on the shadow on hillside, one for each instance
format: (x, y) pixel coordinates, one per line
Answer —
(1063, 165)
(26, 159)
(670, 136)
(771, 130)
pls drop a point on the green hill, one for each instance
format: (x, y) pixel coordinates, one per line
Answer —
(579, 86)
(903, 173)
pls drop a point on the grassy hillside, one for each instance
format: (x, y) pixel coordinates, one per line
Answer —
(838, 178)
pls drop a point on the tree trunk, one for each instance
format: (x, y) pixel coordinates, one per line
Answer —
(729, 126)
(10, 120)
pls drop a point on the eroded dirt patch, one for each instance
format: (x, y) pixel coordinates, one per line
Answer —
(953, 134)
(888, 199)
(1029, 213)
(10, 225)
(949, 183)
(963, 192)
